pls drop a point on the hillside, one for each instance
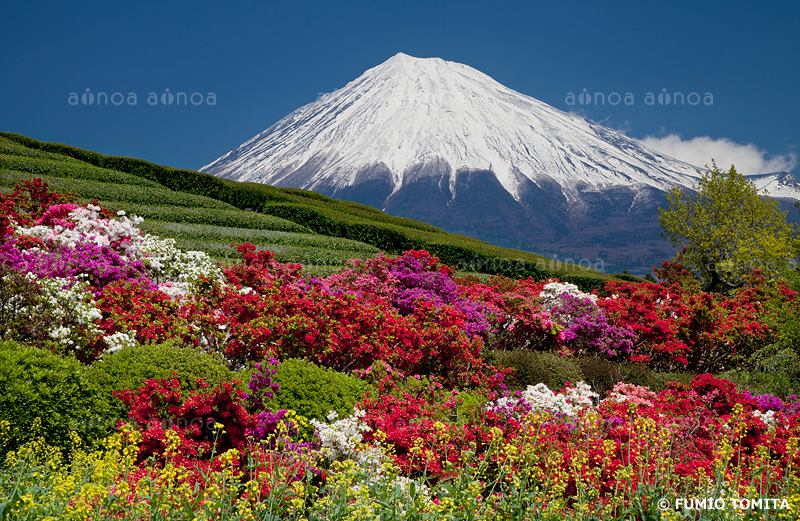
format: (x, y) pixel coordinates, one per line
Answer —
(206, 213)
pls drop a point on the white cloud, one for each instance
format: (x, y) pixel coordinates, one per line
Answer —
(699, 151)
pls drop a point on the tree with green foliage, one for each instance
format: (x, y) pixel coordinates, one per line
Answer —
(728, 229)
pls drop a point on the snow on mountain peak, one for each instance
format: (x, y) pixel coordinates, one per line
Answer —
(426, 114)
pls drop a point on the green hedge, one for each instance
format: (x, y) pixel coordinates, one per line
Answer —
(203, 232)
(603, 374)
(37, 384)
(326, 222)
(531, 368)
(313, 391)
(115, 192)
(10, 147)
(219, 217)
(554, 371)
(70, 169)
(129, 367)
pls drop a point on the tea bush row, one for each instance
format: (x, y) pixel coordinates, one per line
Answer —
(204, 232)
(10, 147)
(115, 192)
(283, 253)
(70, 169)
(219, 217)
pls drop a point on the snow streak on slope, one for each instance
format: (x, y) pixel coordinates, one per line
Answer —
(778, 184)
(409, 112)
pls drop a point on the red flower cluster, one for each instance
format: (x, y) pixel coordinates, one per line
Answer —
(680, 327)
(158, 407)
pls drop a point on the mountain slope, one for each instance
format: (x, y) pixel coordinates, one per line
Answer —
(444, 143)
(409, 118)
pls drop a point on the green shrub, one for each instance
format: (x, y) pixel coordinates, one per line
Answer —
(774, 369)
(129, 367)
(219, 217)
(604, 374)
(89, 190)
(469, 406)
(784, 320)
(639, 374)
(531, 368)
(70, 169)
(313, 391)
(35, 383)
(601, 374)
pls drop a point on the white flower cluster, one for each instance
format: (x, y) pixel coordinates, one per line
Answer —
(551, 293)
(767, 417)
(582, 395)
(403, 485)
(540, 398)
(73, 304)
(119, 340)
(164, 260)
(185, 268)
(343, 439)
(123, 233)
(177, 271)
(176, 290)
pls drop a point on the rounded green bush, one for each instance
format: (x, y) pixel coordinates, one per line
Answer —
(640, 374)
(554, 370)
(313, 391)
(774, 369)
(531, 368)
(658, 381)
(38, 384)
(602, 375)
(129, 367)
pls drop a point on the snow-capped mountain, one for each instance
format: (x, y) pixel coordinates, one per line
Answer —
(444, 143)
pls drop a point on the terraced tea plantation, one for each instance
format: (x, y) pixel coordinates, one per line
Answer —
(196, 222)
(202, 212)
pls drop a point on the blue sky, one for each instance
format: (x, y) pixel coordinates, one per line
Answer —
(261, 60)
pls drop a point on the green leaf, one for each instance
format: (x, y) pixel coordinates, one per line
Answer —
(7, 507)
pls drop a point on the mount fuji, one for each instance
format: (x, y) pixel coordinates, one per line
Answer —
(446, 144)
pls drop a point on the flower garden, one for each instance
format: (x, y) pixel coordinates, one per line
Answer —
(139, 381)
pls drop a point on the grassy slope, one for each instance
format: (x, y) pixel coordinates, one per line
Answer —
(206, 213)
(196, 222)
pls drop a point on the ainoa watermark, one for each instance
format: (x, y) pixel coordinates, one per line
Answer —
(166, 98)
(664, 98)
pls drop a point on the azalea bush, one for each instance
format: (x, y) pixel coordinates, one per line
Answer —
(678, 326)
